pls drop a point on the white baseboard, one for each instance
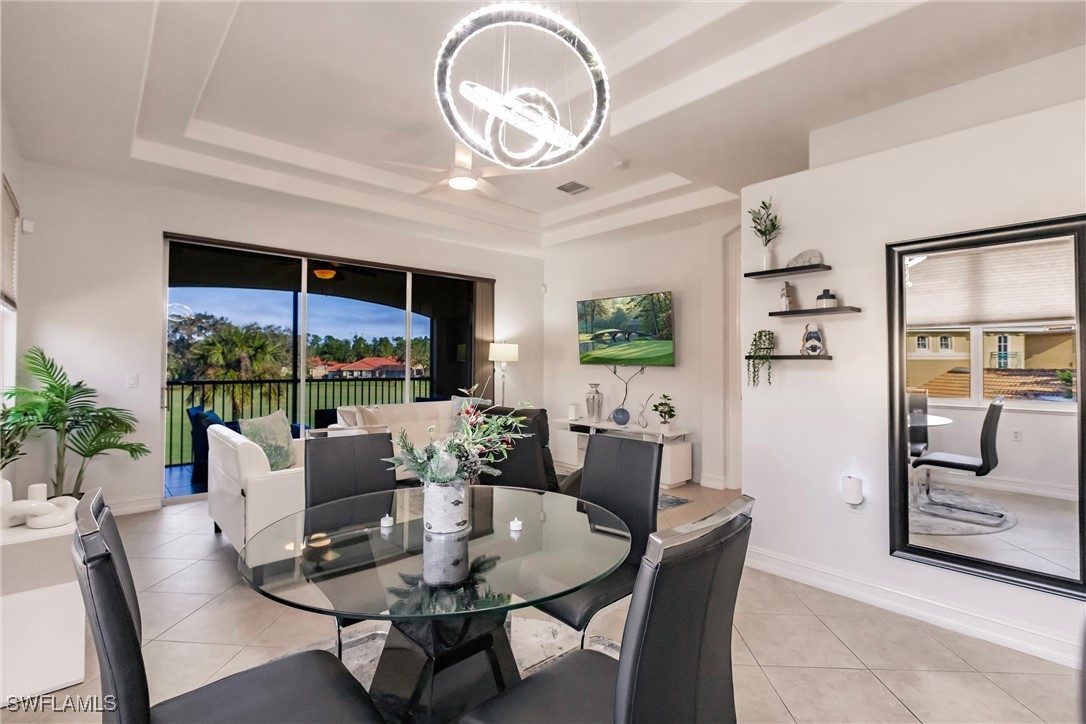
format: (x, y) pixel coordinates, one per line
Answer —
(712, 481)
(1061, 647)
(135, 505)
(1040, 488)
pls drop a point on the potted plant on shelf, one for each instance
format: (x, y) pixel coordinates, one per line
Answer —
(767, 226)
(71, 411)
(446, 466)
(664, 409)
(759, 356)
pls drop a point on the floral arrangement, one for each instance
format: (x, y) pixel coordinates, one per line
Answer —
(419, 597)
(465, 455)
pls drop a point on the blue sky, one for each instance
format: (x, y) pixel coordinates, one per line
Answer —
(343, 318)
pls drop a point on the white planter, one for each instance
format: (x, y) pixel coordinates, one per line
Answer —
(769, 259)
(445, 507)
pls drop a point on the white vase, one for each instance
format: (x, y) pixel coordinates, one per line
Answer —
(445, 558)
(445, 507)
(769, 258)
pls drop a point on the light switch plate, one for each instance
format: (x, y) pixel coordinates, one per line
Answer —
(133, 380)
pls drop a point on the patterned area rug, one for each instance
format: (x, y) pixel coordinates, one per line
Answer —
(667, 502)
(927, 524)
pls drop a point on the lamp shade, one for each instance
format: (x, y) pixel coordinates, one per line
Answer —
(502, 352)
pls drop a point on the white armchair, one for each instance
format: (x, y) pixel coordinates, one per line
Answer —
(243, 493)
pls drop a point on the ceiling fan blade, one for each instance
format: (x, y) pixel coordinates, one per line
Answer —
(461, 156)
(433, 187)
(494, 171)
(489, 189)
(417, 167)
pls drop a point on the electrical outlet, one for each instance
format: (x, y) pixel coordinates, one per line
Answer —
(1016, 435)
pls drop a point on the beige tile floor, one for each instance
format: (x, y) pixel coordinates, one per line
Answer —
(1045, 538)
(799, 653)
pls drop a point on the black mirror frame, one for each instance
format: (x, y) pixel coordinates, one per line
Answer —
(899, 487)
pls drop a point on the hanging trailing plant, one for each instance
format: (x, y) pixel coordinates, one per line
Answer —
(761, 349)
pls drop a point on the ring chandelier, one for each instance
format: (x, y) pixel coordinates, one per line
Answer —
(530, 110)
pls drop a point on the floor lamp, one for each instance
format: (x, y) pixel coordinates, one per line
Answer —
(502, 353)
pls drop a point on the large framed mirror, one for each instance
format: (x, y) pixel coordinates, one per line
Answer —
(986, 443)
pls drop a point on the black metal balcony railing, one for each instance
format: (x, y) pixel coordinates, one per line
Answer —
(244, 399)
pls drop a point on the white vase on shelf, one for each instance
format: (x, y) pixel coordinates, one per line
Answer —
(769, 258)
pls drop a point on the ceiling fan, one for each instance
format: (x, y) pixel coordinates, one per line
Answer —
(461, 176)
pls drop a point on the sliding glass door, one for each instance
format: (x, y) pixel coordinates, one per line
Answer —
(249, 333)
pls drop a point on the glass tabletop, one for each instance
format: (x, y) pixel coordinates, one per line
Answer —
(920, 419)
(337, 559)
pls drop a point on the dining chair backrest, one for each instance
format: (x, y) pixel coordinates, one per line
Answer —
(109, 595)
(339, 467)
(988, 456)
(675, 663)
(916, 399)
(623, 476)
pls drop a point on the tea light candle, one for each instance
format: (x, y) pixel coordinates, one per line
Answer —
(573, 411)
(516, 524)
(387, 521)
(36, 492)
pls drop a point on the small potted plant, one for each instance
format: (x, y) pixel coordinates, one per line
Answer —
(664, 409)
(767, 226)
(759, 356)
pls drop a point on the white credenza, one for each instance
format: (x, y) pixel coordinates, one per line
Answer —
(42, 618)
(569, 438)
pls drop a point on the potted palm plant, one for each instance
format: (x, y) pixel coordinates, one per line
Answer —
(71, 411)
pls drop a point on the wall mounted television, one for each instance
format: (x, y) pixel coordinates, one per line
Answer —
(638, 330)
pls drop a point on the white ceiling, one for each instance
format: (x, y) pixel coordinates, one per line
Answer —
(325, 101)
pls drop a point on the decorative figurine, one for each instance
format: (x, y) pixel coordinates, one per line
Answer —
(786, 297)
(805, 258)
(812, 342)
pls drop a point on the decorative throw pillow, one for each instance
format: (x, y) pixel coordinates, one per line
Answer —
(272, 434)
(210, 418)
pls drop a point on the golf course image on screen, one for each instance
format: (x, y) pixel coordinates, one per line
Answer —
(636, 330)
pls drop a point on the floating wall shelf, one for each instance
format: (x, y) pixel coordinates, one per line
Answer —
(797, 356)
(814, 312)
(788, 271)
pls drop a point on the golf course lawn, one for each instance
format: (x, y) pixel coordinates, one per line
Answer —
(637, 352)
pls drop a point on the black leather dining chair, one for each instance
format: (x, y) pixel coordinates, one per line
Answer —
(623, 476)
(979, 466)
(675, 664)
(307, 686)
(917, 401)
(344, 466)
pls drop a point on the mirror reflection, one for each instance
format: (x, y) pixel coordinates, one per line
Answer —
(992, 394)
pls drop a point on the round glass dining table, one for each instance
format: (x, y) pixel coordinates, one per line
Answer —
(920, 419)
(447, 595)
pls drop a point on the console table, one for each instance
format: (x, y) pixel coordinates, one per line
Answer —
(570, 437)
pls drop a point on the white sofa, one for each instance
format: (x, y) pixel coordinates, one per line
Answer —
(243, 494)
(414, 417)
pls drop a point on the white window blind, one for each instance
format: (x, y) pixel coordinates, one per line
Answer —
(7, 251)
(1025, 282)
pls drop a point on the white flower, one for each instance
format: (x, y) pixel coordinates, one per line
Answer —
(445, 464)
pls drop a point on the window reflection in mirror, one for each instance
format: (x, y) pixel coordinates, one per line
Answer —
(992, 375)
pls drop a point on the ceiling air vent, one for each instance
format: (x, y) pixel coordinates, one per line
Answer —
(573, 188)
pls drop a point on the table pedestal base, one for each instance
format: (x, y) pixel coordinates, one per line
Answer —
(433, 671)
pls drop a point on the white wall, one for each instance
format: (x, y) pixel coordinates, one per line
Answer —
(92, 290)
(821, 420)
(690, 263)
